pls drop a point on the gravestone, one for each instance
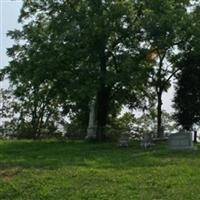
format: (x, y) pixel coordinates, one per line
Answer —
(146, 141)
(123, 140)
(91, 130)
(181, 141)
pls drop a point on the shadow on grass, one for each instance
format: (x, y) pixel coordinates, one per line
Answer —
(57, 154)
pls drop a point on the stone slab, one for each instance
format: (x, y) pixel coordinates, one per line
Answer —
(181, 141)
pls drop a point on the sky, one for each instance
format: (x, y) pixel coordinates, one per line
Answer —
(9, 13)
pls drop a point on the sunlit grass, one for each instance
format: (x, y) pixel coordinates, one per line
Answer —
(57, 170)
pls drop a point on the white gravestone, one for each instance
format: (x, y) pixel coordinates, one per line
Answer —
(146, 141)
(123, 140)
(91, 130)
(181, 141)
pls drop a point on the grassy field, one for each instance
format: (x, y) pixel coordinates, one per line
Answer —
(56, 170)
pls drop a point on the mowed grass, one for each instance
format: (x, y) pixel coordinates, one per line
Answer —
(58, 170)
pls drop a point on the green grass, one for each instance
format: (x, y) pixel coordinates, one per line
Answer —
(55, 170)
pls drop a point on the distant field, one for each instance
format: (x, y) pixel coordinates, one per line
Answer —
(56, 170)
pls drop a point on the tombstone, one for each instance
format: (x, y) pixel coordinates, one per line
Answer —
(123, 140)
(181, 141)
(91, 130)
(146, 141)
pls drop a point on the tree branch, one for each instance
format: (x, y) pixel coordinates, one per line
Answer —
(172, 74)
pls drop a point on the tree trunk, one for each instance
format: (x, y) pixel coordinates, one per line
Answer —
(159, 115)
(159, 91)
(103, 95)
(195, 136)
(102, 112)
(34, 123)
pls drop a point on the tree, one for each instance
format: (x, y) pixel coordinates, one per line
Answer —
(187, 95)
(29, 112)
(187, 99)
(163, 25)
(6, 105)
(36, 102)
(81, 49)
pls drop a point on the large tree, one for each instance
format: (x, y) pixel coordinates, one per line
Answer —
(81, 50)
(163, 24)
(187, 97)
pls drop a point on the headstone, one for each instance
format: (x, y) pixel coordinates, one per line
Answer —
(181, 141)
(91, 130)
(146, 140)
(123, 140)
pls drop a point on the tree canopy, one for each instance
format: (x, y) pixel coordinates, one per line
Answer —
(120, 53)
(187, 96)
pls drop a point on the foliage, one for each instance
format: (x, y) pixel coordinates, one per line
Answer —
(163, 24)
(147, 123)
(187, 99)
(118, 52)
(28, 113)
(119, 125)
(62, 42)
(187, 96)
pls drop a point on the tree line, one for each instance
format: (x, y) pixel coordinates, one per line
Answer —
(115, 53)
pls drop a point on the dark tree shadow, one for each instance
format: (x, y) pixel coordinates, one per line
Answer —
(57, 154)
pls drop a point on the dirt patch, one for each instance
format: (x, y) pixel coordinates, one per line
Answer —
(8, 174)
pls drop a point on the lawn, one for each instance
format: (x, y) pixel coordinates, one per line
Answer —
(58, 170)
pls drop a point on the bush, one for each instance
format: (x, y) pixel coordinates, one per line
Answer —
(25, 131)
